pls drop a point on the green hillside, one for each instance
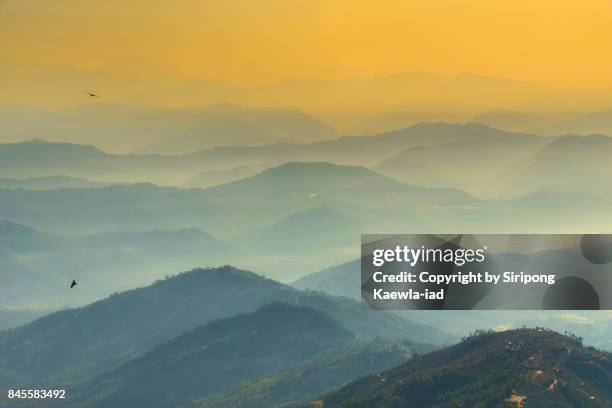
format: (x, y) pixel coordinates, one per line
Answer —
(528, 367)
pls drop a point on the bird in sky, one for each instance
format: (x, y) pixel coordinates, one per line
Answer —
(93, 95)
(73, 284)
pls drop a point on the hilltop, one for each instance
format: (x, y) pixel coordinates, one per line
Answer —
(525, 367)
(77, 343)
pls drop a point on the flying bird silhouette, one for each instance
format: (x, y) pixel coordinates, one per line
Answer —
(93, 95)
(73, 284)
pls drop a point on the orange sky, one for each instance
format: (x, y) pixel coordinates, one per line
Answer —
(560, 43)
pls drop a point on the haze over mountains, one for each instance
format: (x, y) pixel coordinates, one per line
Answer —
(475, 158)
(122, 128)
(37, 265)
(251, 145)
(354, 105)
(273, 338)
(518, 183)
(117, 221)
(74, 344)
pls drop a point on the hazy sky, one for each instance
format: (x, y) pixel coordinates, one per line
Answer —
(552, 42)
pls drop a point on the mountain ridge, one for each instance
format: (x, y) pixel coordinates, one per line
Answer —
(493, 369)
(86, 341)
(218, 355)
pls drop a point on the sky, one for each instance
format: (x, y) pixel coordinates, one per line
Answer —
(560, 43)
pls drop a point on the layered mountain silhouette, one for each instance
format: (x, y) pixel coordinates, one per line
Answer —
(76, 343)
(272, 195)
(475, 158)
(235, 126)
(221, 354)
(470, 157)
(480, 165)
(525, 367)
(37, 158)
(320, 181)
(300, 199)
(357, 96)
(160, 130)
(37, 264)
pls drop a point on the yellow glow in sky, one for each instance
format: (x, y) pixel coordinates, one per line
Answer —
(560, 43)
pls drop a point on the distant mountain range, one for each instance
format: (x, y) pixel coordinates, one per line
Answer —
(51, 183)
(37, 158)
(474, 158)
(271, 230)
(121, 128)
(37, 266)
(442, 97)
(527, 367)
(274, 194)
(271, 215)
(74, 344)
(480, 165)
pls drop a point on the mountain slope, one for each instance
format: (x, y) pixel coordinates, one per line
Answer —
(296, 234)
(341, 280)
(328, 370)
(212, 358)
(24, 284)
(539, 367)
(86, 341)
(14, 318)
